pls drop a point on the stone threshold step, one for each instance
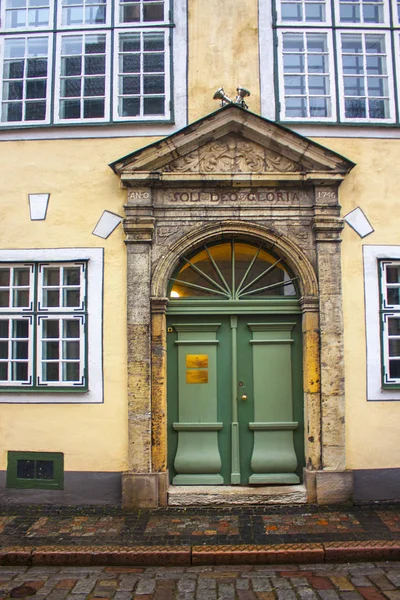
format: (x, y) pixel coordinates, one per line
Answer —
(216, 495)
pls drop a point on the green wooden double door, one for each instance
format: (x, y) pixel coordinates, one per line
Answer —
(235, 401)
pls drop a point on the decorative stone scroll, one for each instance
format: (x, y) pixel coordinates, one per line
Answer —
(232, 155)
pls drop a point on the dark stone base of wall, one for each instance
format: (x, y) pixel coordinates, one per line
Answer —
(92, 488)
(376, 485)
(80, 488)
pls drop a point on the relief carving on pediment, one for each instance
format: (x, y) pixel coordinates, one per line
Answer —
(231, 156)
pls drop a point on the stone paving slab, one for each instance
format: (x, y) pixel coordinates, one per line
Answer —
(309, 581)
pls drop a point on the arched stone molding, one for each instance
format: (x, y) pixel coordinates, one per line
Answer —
(298, 262)
(283, 246)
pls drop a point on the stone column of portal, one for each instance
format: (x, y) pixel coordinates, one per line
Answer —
(333, 483)
(139, 484)
(159, 395)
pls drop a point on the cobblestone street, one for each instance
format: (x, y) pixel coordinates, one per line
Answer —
(350, 581)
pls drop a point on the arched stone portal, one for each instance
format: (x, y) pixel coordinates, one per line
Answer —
(234, 173)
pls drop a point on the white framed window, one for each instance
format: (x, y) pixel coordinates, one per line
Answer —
(85, 85)
(304, 11)
(363, 12)
(142, 82)
(142, 11)
(25, 75)
(27, 14)
(306, 69)
(84, 81)
(50, 333)
(382, 320)
(78, 13)
(351, 80)
(366, 83)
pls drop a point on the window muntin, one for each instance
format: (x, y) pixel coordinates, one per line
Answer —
(142, 84)
(304, 11)
(366, 82)
(305, 75)
(43, 345)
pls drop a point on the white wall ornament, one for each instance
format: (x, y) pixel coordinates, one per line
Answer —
(106, 224)
(38, 204)
(359, 222)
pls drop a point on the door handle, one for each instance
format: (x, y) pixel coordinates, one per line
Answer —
(244, 397)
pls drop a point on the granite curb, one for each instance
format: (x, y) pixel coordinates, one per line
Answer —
(131, 556)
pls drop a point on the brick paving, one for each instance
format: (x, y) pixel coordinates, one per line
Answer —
(359, 581)
(256, 535)
(50, 525)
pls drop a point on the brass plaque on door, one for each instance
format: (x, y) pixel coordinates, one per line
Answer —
(196, 376)
(194, 361)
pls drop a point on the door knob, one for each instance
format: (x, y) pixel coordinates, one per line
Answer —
(244, 397)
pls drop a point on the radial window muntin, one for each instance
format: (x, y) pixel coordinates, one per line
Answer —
(232, 270)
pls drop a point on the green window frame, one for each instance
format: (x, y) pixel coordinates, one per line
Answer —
(43, 326)
(389, 275)
(35, 470)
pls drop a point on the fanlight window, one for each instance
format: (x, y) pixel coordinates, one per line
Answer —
(232, 270)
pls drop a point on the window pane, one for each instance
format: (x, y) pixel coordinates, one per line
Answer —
(393, 296)
(394, 369)
(51, 351)
(394, 326)
(71, 328)
(26, 469)
(51, 328)
(44, 469)
(50, 371)
(4, 328)
(393, 274)
(71, 372)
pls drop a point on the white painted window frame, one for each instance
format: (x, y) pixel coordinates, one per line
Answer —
(363, 32)
(123, 24)
(371, 256)
(361, 24)
(48, 80)
(57, 83)
(83, 26)
(167, 75)
(26, 27)
(95, 272)
(281, 74)
(326, 23)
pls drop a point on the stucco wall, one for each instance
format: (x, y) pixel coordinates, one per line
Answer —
(372, 428)
(76, 174)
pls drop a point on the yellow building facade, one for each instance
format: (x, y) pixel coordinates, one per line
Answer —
(119, 170)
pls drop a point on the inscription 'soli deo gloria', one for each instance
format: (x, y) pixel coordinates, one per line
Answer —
(217, 197)
(265, 196)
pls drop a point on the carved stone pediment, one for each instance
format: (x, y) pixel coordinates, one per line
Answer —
(231, 154)
(232, 142)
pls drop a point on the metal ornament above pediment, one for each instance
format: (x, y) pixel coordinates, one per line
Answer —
(231, 156)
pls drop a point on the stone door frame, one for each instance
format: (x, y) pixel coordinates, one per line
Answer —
(234, 173)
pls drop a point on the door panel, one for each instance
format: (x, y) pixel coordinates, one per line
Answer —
(235, 410)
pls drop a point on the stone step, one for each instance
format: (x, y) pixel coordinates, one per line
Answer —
(207, 495)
